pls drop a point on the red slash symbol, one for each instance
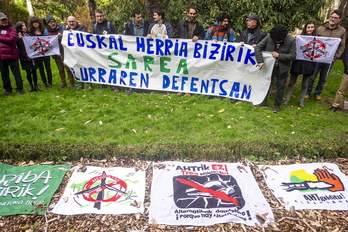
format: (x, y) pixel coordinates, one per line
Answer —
(217, 194)
(99, 189)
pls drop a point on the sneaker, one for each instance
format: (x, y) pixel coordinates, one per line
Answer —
(276, 109)
(62, 86)
(306, 96)
(333, 109)
(45, 85)
(286, 102)
(317, 98)
(19, 91)
(187, 94)
(49, 86)
(301, 104)
(7, 92)
(103, 86)
(208, 97)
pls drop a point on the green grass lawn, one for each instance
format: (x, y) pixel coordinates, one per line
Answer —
(65, 116)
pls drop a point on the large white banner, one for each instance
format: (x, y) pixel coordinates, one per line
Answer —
(38, 46)
(176, 65)
(103, 191)
(308, 186)
(205, 194)
(316, 49)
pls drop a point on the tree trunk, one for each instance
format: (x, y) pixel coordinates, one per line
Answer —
(92, 7)
(30, 8)
(344, 8)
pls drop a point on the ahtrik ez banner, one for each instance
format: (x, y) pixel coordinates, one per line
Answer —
(205, 194)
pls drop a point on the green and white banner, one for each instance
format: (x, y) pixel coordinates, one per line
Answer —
(176, 65)
(28, 189)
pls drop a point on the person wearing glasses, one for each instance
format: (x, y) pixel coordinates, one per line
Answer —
(328, 29)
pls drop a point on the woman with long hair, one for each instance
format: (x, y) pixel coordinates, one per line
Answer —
(306, 68)
(27, 64)
(36, 28)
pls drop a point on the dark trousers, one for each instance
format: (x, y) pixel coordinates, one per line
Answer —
(5, 74)
(44, 63)
(279, 79)
(324, 70)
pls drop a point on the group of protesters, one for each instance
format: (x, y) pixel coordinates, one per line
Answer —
(279, 42)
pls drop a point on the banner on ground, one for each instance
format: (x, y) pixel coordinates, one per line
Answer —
(308, 186)
(103, 191)
(316, 49)
(176, 65)
(39, 46)
(205, 193)
(28, 189)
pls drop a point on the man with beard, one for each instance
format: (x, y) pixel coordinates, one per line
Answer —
(53, 28)
(328, 29)
(221, 31)
(190, 28)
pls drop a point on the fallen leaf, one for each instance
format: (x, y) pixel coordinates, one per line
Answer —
(268, 116)
(57, 96)
(134, 130)
(63, 111)
(293, 132)
(81, 111)
(229, 126)
(89, 121)
(59, 129)
(211, 115)
(221, 111)
(100, 122)
(149, 116)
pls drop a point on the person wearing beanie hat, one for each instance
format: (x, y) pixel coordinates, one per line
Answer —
(53, 28)
(283, 48)
(9, 55)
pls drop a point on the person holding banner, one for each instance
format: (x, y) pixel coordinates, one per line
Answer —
(9, 56)
(73, 25)
(27, 64)
(160, 29)
(103, 27)
(53, 28)
(221, 31)
(344, 83)
(137, 26)
(190, 28)
(36, 28)
(328, 29)
(283, 48)
(299, 67)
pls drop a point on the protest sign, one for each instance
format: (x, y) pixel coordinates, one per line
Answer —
(308, 186)
(316, 49)
(176, 65)
(39, 46)
(28, 189)
(103, 191)
(205, 193)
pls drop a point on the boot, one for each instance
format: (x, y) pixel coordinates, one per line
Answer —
(31, 89)
(36, 88)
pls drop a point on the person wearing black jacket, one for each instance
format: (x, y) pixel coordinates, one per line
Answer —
(190, 28)
(253, 35)
(137, 26)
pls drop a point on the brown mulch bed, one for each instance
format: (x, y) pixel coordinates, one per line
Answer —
(285, 220)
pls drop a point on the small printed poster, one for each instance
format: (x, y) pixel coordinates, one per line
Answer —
(98, 190)
(39, 46)
(205, 193)
(308, 186)
(28, 189)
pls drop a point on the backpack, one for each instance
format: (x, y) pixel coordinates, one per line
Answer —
(107, 27)
(214, 30)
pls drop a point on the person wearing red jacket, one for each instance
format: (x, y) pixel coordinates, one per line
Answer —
(9, 55)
